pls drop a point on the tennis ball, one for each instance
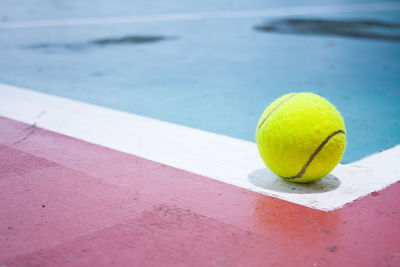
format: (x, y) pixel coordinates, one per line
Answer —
(301, 137)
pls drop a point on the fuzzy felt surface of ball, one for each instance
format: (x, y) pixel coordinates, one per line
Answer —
(301, 137)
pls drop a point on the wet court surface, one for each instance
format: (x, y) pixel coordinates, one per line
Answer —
(127, 133)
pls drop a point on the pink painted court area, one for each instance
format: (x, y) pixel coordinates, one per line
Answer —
(65, 202)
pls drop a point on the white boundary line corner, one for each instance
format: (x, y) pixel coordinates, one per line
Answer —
(219, 157)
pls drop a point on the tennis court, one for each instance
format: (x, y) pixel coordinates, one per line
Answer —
(127, 133)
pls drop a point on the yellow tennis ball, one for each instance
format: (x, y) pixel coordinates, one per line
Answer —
(301, 137)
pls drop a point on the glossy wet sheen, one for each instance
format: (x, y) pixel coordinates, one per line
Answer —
(212, 74)
(81, 204)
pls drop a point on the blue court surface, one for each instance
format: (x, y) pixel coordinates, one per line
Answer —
(120, 73)
(216, 74)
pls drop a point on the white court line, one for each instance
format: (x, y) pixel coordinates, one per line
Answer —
(272, 12)
(219, 157)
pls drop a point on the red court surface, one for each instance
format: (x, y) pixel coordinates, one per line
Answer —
(65, 202)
